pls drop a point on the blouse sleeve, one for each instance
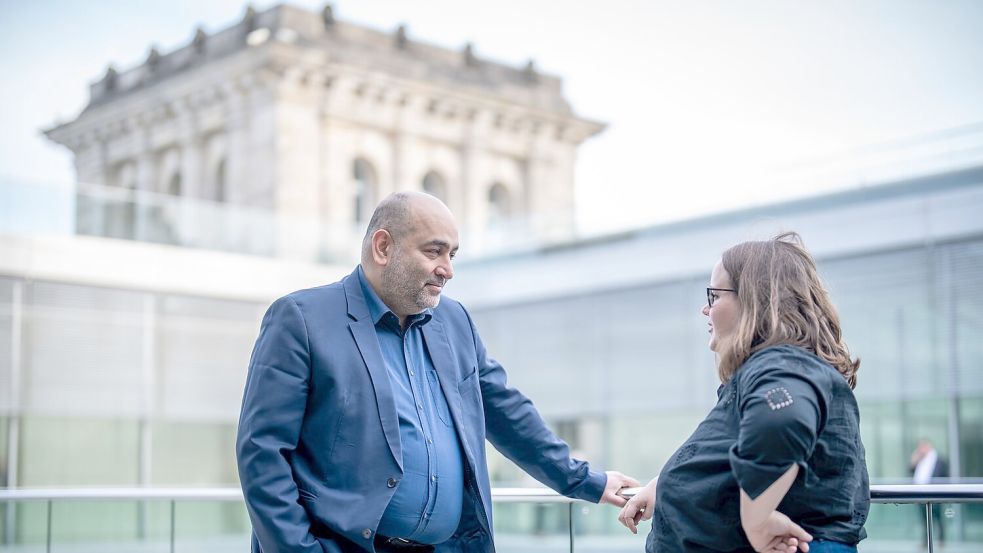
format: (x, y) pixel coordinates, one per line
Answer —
(782, 410)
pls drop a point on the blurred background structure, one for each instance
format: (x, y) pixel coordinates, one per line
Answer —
(213, 177)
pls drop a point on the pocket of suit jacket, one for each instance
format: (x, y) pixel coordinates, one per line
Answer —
(435, 390)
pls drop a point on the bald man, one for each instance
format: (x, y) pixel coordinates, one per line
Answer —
(368, 402)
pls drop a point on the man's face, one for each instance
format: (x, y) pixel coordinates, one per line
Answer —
(421, 261)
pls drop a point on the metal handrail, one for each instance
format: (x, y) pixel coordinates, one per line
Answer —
(888, 493)
(884, 493)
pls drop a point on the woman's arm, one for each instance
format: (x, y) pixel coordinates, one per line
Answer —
(766, 528)
(782, 409)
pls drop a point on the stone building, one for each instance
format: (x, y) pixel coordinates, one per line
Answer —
(306, 121)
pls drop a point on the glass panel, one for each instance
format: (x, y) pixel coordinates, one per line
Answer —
(641, 444)
(4, 453)
(110, 526)
(103, 452)
(203, 348)
(211, 527)
(82, 350)
(597, 530)
(6, 346)
(190, 454)
(526, 527)
(24, 523)
(894, 528)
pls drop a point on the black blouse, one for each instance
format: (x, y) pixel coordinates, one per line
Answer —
(784, 405)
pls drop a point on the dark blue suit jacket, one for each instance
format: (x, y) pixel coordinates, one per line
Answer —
(318, 447)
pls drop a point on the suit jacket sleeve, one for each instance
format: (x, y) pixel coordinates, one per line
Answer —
(273, 409)
(515, 428)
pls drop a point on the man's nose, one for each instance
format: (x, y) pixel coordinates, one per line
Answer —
(445, 270)
(705, 310)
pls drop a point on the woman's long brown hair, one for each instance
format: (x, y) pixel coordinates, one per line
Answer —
(783, 301)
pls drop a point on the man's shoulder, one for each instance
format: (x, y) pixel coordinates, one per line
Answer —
(317, 297)
(317, 291)
(449, 308)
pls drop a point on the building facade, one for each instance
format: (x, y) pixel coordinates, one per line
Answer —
(313, 119)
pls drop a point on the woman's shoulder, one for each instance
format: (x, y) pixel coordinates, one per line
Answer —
(786, 359)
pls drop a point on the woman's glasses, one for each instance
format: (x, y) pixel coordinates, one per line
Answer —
(712, 294)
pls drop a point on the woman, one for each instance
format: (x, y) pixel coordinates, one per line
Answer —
(778, 464)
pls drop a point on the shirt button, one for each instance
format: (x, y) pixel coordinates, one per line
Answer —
(429, 440)
(433, 478)
(391, 482)
(419, 406)
(367, 533)
(411, 373)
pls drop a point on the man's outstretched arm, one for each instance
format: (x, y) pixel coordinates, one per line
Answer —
(515, 427)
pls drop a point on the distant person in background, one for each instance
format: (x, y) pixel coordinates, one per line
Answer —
(778, 464)
(925, 466)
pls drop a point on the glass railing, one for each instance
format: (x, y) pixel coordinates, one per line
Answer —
(37, 209)
(33, 209)
(526, 520)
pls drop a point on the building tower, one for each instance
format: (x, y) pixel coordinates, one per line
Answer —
(303, 123)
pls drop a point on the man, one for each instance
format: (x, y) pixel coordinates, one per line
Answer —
(926, 466)
(368, 402)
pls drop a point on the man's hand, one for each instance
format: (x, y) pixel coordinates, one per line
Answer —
(638, 508)
(778, 534)
(617, 481)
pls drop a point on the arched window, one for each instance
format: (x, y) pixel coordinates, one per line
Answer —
(126, 175)
(363, 175)
(219, 189)
(499, 203)
(174, 185)
(435, 185)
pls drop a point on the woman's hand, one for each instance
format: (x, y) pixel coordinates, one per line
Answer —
(638, 508)
(777, 534)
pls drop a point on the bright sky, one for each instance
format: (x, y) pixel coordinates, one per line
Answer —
(704, 99)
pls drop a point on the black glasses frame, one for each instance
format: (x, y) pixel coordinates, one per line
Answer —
(710, 292)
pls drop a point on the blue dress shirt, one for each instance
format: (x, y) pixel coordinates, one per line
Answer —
(427, 504)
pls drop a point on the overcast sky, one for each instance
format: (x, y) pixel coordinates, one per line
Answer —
(706, 101)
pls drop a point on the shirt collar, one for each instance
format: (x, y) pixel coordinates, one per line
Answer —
(378, 309)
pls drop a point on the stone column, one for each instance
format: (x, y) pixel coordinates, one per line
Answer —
(237, 156)
(92, 175)
(473, 188)
(143, 204)
(297, 146)
(401, 148)
(192, 182)
(90, 162)
(192, 213)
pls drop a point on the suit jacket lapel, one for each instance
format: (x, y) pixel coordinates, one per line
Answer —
(363, 331)
(443, 363)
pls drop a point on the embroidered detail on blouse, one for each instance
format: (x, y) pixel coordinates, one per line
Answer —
(728, 398)
(778, 398)
(685, 454)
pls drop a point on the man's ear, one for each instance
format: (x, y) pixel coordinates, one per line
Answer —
(382, 245)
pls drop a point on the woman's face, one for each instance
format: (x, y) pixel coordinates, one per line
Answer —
(726, 308)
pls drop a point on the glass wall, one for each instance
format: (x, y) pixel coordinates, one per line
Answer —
(634, 363)
(120, 388)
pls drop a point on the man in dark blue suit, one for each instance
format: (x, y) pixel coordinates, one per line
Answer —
(369, 400)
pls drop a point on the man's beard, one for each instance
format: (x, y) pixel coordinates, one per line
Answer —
(407, 288)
